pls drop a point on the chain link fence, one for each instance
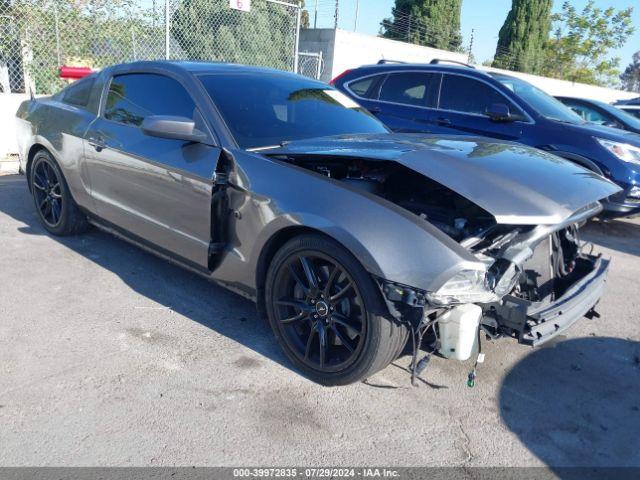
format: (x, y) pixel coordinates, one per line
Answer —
(39, 36)
(310, 64)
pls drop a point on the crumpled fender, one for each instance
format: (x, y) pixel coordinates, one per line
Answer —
(390, 242)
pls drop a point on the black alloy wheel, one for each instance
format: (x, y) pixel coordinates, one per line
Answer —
(47, 191)
(56, 207)
(327, 313)
(320, 310)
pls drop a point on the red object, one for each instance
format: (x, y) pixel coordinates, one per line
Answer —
(333, 82)
(74, 73)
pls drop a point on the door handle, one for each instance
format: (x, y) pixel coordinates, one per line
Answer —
(97, 143)
(443, 122)
(375, 110)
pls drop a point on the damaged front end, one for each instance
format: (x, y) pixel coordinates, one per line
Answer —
(539, 280)
(516, 214)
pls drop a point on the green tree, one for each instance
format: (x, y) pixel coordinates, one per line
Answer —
(631, 76)
(304, 16)
(432, 23)
(210, 30)
(45, 35)
(523, 36)
(582, 41)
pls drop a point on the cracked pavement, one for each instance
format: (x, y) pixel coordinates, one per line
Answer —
(110, 356)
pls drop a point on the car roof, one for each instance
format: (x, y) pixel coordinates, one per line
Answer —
(203, 67)
(631, 102)
(440, 67)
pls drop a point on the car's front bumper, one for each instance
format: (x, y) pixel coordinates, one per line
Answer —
(535, 323)
(621, 205)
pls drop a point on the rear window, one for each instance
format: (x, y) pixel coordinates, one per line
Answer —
(78, 93)
(272, 108)
(364, 88)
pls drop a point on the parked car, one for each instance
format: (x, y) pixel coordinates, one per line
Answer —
(601, 113)
(286, 191)
(446, 98)
(632, 106)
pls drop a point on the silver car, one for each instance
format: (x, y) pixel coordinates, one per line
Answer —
(351, 240)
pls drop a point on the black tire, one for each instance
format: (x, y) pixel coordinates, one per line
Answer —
(360, 338)
(56, 208)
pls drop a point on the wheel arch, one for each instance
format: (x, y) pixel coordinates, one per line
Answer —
(580, 160)
(35, 148)
(275, 243)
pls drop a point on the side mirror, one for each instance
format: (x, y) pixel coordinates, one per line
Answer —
(176, 128)
(499, 112)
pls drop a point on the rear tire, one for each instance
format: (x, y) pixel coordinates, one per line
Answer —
(327, 313)
(57, 210)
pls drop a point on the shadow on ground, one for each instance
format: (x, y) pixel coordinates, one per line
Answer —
(620, 235)
(577, 403)
(168, 285)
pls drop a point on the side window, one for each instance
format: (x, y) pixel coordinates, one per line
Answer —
(467, 95)
(135, 96)
(78, 93)
(365, 88)
(411, 88)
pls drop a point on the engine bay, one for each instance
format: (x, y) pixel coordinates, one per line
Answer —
(448, 211)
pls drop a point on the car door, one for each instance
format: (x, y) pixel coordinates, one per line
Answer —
(463, 105)
(404, 101)
(157, 189)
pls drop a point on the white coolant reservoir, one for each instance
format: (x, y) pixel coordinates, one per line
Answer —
(459, 331)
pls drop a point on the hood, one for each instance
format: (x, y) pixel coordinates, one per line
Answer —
(514, 183)
(601, 131)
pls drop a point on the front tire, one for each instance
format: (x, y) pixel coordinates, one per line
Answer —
(326, 312)
(57, 210)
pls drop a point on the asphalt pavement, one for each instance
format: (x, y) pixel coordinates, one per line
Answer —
(111, 357)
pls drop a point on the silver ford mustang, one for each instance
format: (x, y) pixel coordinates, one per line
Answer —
(351, 240)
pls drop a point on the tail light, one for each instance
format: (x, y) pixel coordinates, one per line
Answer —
(74, 73)
(333, 82)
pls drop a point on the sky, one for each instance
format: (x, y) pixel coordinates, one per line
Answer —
(485, 17)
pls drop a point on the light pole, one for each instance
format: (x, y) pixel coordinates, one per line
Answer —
(315, 16)
(355, 26)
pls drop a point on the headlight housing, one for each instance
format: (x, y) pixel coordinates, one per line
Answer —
(634, 193)
(466, 286)
(476, 286)
(624, 151)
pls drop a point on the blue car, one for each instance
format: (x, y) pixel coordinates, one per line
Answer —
(601, 113)
(446, 98)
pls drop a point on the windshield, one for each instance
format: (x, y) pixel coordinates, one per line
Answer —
(271, 108)
(543, 103)
(635, 113)
(623, 116)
